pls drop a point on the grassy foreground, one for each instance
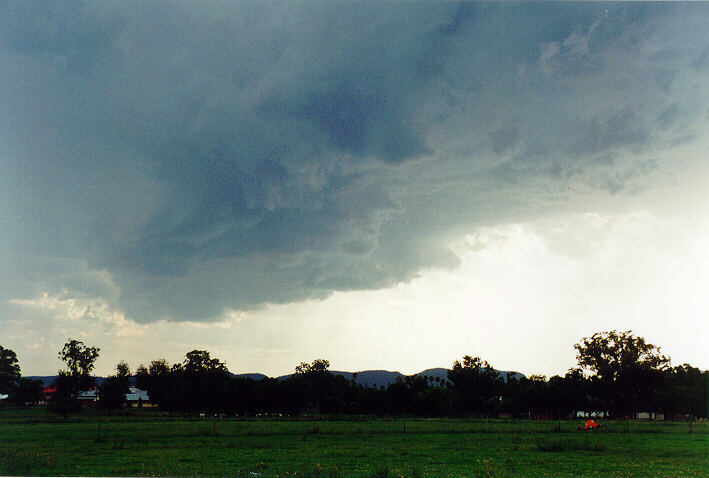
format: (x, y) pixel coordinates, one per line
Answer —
(145, 443)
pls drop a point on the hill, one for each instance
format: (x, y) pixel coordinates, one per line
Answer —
(366, 378)
(379, 378)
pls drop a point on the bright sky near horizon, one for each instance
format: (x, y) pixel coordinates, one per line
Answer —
(384, 185)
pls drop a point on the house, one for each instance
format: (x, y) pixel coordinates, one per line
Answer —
(138, 398)
(47, 394)
(88, 397)
(650, 416)
(592, 414)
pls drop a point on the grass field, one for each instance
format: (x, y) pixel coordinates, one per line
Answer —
(140, 443)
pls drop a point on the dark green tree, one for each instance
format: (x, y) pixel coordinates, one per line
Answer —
(569, 394)
(311, 385)
(28, 391)
(161, 384)
(199, 361)
(123, 373)
(9, 370)
(205, 382)
(318, 365)
(537, 396)
(628, 368)
(114, 388)
(79, 360)
(685, 391)
(479, 385)
(112, 394)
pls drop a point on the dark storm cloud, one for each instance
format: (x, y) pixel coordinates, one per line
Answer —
(621, 129)
(178, 159)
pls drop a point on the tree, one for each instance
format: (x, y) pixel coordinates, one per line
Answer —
(199, 361)
(114, 388)
(9, 370)
(79, 361)
(112, 394)
(570, 393)
(123, 372)
(629, 369)
(536, 396)
(685, 390)
(205, 381)
(312, 384)
(27, 391)
(161, 383)
(318, 365)
(478, 384)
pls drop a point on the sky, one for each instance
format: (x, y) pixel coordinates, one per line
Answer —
(386, 185)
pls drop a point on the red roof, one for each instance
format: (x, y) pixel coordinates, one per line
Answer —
(49, 389)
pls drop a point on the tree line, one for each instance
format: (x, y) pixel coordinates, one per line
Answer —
(617, 373)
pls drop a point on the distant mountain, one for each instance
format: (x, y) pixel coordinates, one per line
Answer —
(439, 373)
(252, 376)
(442, 373)
(45, 379)
(515, 375)
(378, 378)
(49, 379)
(372, 378)
(366, 378)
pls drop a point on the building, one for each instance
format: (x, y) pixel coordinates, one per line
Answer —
(47, 394)
(650, 416)
(88, 397)
(137, 398)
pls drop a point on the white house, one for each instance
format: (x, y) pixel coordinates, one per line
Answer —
(137, 397)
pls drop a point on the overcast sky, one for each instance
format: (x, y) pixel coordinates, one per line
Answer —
(384, 185)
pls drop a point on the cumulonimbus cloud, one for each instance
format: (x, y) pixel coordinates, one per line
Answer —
(219, 156)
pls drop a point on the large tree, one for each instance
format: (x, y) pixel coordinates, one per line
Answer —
(161, 383)
(311, 384)
(205, 381)
(199, 361)
(686, 390)
(28, 391)
(123, 373)
(9, 370)
(629, 368)
(79, 360)
(114, 388)
(318, 366)
(479, 385)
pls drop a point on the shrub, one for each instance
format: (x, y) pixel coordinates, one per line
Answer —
(559, 445)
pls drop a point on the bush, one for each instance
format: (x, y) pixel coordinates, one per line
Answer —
(559, 445)
(64, 406)
(23, 462)
(381, 471)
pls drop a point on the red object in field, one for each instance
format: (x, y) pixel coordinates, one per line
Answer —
(590, 424)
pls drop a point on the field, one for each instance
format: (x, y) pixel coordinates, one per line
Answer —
(140, 443)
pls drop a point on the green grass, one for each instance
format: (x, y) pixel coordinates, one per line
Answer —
(145, 443)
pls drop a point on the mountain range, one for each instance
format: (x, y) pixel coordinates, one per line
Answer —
(366, 378)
